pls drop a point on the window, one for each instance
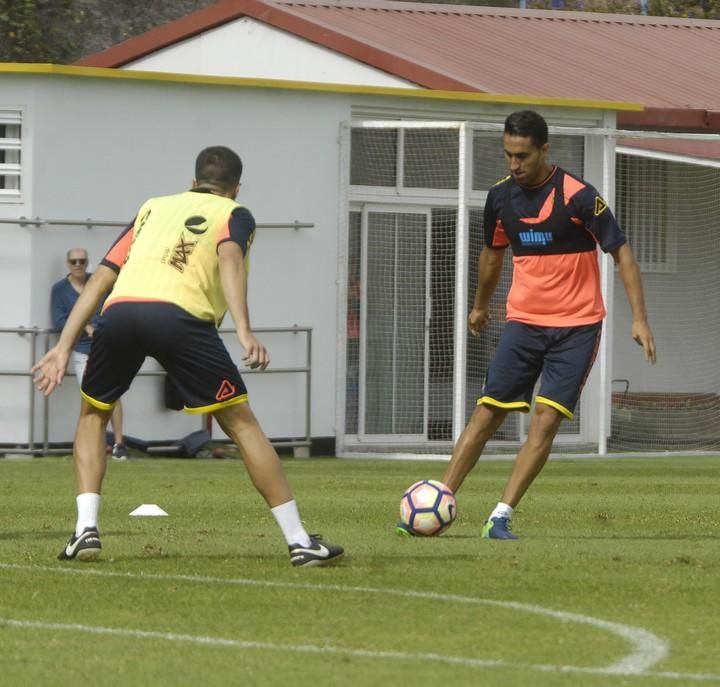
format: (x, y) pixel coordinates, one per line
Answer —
(411, 159)
(10, 155)
(643, 211)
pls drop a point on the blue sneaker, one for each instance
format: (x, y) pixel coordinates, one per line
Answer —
(402, 530)
(497, 528)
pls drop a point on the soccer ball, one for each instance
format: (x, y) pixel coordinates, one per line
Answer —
(427, 508)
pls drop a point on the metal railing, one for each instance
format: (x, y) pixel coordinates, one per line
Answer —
(43, 447)
(89, 223)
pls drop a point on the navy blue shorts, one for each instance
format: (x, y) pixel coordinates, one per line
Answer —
(190, 350)
(562, 355)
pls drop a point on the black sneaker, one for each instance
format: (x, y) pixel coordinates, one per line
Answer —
(86, 547)
(119, 452)
(317, 553)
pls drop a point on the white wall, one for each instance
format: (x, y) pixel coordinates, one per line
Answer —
(101, 146)
(248, 48)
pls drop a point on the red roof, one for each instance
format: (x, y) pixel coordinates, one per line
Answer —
(669, 65)
(703, 150)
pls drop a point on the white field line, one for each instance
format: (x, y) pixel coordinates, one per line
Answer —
(647, 648)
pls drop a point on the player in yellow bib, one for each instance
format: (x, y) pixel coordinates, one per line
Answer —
(172, 274)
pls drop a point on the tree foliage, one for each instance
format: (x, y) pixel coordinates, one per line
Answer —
(63, 31)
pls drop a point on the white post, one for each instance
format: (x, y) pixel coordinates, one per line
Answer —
(607, 282)
(462, 247)
(341, 283)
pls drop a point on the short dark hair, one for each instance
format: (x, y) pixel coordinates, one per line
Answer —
(218, 166)
(527, 123)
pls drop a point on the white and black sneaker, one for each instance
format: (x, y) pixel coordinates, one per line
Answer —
(86, 547)
(119, 452)
(317, 553)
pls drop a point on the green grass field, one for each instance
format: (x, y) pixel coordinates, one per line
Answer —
(615, 580)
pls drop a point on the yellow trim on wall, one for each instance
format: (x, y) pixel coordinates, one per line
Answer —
(424, 94)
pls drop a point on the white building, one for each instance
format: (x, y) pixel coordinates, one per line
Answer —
(85, 146)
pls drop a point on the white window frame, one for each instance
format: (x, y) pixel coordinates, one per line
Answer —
(395, 209)
(11, 119)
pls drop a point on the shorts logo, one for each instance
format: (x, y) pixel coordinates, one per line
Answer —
(225, 391)
(600, 206)
(196, 224)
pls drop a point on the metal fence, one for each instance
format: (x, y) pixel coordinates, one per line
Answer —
(40, 338)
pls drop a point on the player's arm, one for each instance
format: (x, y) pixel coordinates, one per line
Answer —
(490, 266)
(489, 263)
(233, 277)
(600, 221)
(632, 281)
(50, 370)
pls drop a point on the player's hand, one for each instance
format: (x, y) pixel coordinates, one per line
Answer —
(477, 320)
(643, 337)
(256, 354)
(49, 371)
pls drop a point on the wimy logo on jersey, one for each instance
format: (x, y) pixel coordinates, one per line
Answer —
(535, 238)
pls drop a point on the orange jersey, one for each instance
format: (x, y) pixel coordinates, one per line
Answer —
(554, 230)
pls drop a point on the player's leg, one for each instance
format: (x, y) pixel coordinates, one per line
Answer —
(208, 381)
(484, 422)
(534, 452)
(89, 448)
(115, 357)
(567, 362)
(510, 378)
(119, 451)
(530, 460)
(267, 475)
(90, 462)
(260, 458)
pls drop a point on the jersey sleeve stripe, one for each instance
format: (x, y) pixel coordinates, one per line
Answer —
(499, 239)
(118, 253)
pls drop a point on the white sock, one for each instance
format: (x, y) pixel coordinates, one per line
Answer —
(88, 508)
(288, 519)
(502, 510)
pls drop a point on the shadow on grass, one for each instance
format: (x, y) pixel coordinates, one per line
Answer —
(626, 537)
(40, 535)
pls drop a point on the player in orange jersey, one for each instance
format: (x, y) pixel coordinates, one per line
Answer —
(553, 222)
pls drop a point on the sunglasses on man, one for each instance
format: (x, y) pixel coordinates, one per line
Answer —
(78, 261)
